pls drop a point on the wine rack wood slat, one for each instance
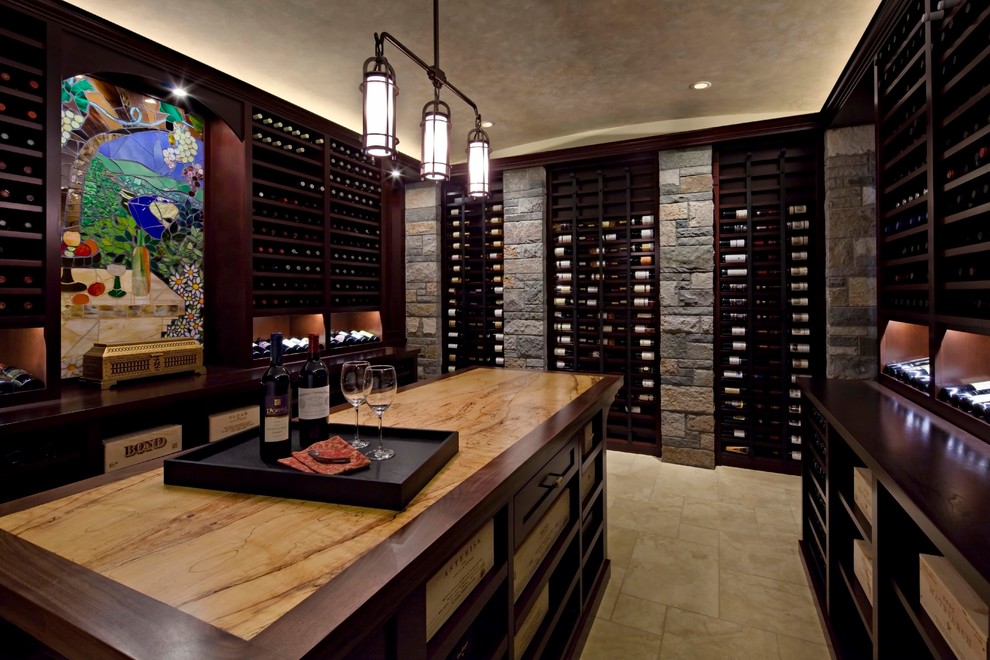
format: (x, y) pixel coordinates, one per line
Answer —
(473, 257)
(769, 310)
(603, 287)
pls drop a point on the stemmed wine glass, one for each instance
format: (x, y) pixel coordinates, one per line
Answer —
(354, 387)
(380, 384)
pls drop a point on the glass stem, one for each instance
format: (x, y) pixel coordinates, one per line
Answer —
(381, 444)
(357, 422)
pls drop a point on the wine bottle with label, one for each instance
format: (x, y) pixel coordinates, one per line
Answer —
(314, 396)
(276, 405)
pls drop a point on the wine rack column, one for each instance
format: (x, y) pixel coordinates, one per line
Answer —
(903, 181)
(287, 213)
(770, 303)
(602, 288)
(474, 278)
(355, 229)
(28, 343)
(685, 229)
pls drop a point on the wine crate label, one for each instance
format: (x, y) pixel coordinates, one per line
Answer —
(954, 608)
(225, 424)
(449, 586)
(863, 491)
(863, 566)
(536, 546)
(588, 480)
(126, 450)
(526, 630)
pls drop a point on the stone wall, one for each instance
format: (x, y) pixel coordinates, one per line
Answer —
(687, 306)
(850, 252)
(423, 329)
(524, 199)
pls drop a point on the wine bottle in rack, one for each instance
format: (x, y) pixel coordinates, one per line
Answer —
(314, 396)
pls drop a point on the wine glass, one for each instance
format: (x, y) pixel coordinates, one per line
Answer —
(380, 384)
(354, 387)
(116, 268)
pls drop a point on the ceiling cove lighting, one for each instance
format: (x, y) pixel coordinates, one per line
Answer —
(379, 90)
(701, 84)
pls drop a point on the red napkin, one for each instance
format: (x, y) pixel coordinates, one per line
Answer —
(335, 446)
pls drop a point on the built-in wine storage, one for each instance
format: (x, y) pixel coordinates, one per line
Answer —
(23, 233)
(933, 204)
(355, 185)
(769, 304)
(473, 266)
(288, 190)
(603, 288)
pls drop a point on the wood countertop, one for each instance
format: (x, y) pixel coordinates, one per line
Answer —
(126, 564)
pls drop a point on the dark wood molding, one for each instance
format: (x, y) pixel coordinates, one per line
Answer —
(638, 146)
(860, 64)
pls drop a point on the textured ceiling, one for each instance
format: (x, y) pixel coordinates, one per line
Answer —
(549, 73)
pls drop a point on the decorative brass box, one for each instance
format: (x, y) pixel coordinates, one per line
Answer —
(108, 364)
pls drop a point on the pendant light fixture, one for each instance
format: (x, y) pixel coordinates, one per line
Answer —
(379, 92)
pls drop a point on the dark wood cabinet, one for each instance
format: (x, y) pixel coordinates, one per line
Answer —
(28, 247)
(603, 287)
(769, 314)
(886, 483)
(473, 258)
(933, 119)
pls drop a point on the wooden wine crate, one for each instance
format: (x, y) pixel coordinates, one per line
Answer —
(126, 450)
(863, 491)
(863, 566)
(954, 608)
(231, 422)
(531, 553)
(449, 586)
(526, 629)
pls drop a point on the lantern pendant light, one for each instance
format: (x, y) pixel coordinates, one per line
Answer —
(379, 92)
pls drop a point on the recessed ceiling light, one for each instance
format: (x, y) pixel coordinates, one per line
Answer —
(487, 124)
(180, 91)
(396, 174)
(701, 84)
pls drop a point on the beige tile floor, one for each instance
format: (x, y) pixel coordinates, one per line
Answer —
(705, 565)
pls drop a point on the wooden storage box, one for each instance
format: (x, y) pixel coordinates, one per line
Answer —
(108, 364)
(225, 424)
(534, 549)
(863, 566)
(126, 450)
(449, 586)
(954, 608)
(863, 491)
(526, 629)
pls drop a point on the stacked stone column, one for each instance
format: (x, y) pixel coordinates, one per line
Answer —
(524, 194)
(850, 252)
(686, 253)
(423, 233)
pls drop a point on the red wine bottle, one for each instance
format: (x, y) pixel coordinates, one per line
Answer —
(314, 396)
(276, 405)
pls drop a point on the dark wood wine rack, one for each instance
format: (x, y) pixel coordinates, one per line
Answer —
(25, 257)
(603, 288)
(355, 183)
(769, 298)
(473, 256)
(933, 170)
(288, 211)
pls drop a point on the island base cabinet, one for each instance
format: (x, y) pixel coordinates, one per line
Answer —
(905, 565)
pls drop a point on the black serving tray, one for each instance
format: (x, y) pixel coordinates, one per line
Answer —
(235, 464)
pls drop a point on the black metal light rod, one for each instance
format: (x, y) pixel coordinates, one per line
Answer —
(434, 72)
